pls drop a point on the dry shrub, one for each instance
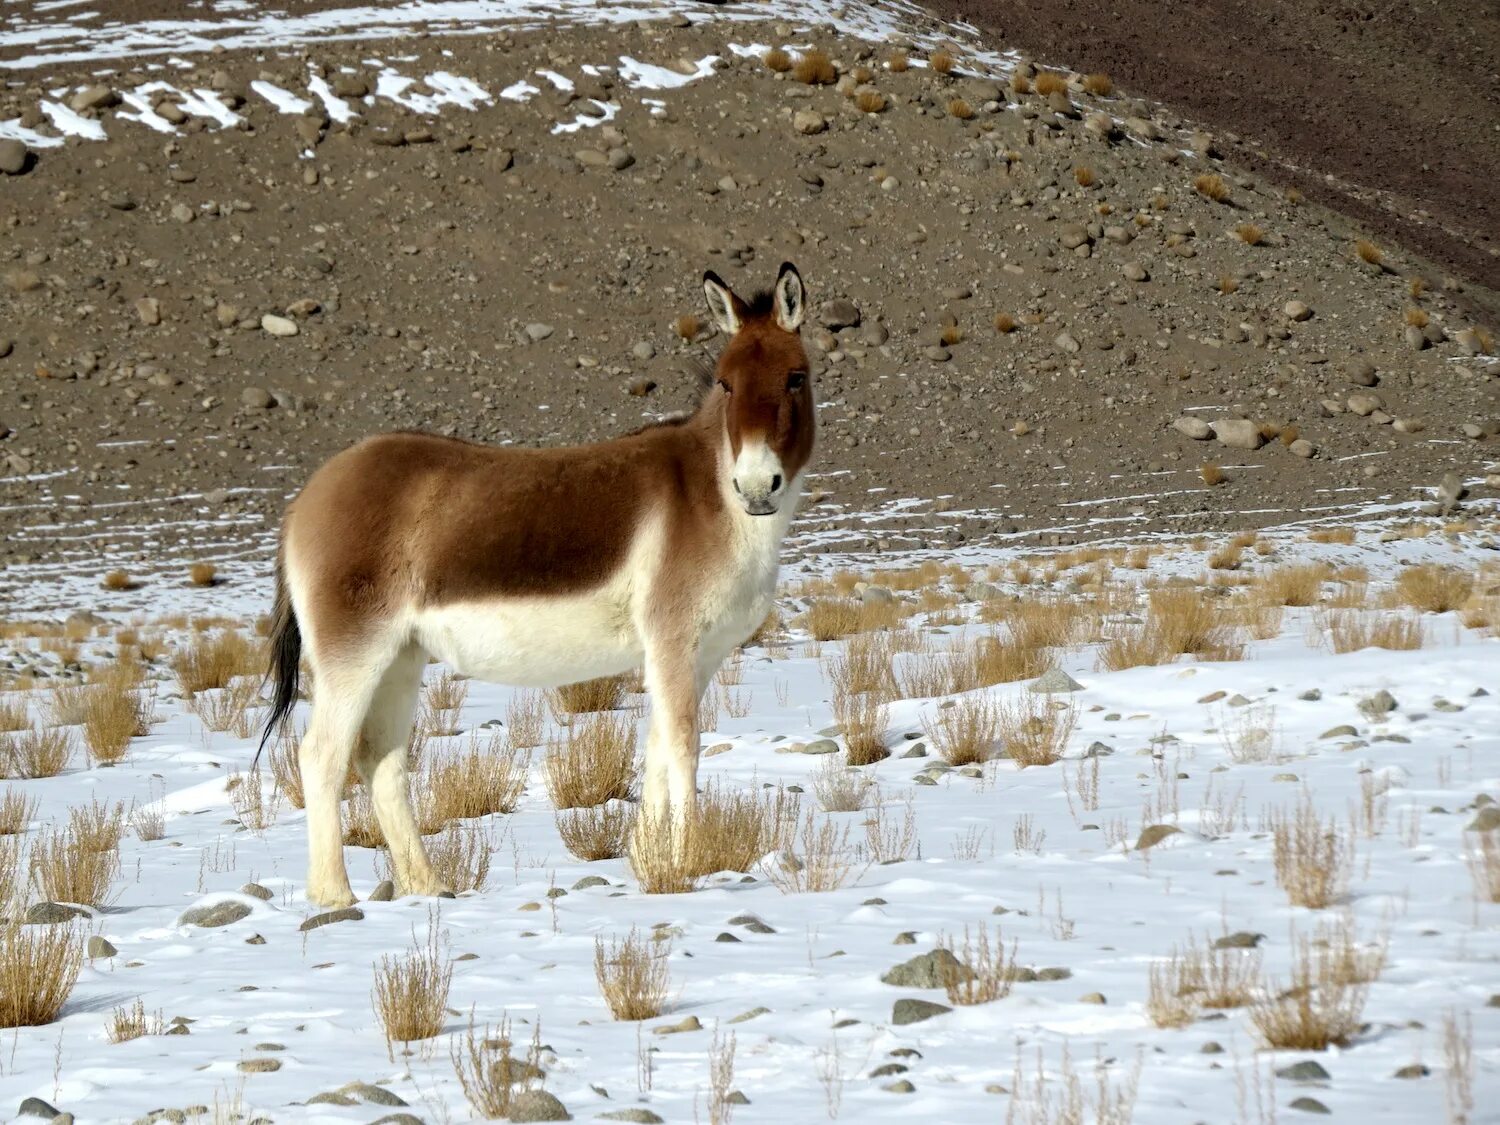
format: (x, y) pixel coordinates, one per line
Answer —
(633, 975)
(778, 59)
(888, 840)
(1197, 977)
(840, 788)
(1367, 251)
(1343, 536)
(14, 713)
(411, 991)
(73, 866)
(489, 1071)
(442, 701)
(228, 708)
(481, 779)
(214, 660)
(1034, 729)
(1228, 285)
(864, 665)
(814, 68)
(1295, 585)
(687, 326)
(1416, 318)
(820, 860)
(203, 574)
(38, 752)
(1063, 1099)
(1004, 323)
(114, 713)
(951, 334)
(1314, 859)
(16, 811)
(959, 108)
(982, 972)
(1048, 82)
(118, 580)
(1348, 630)
(460, 855)
(863, 718)
(1038, 623)
(898, 63)
(1317, 1010)
(38, 965)
(1225, 558)
(1212, 473)
(134, 1022)
(1480, 613)
(1484, 864)
(1020, 84)
(597, 832)
(870, 101)
(12, 886)
(997, 660)
(1100, 85)
(525, 720)
(660, 866)
(149, 822)
(941, 62)
(1210, 185)
(829, 619)
(1434, 589)
(286, 767)
(734, 829)
(1250, 235)
(967, 731)
(604, 694)
(361, 828)
(1084, 176)
(1180, 620)
(594, 763)
(247, 793)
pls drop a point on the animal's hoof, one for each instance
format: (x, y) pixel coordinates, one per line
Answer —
(335, 899)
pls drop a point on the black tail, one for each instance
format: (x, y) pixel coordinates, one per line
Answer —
(286, 660)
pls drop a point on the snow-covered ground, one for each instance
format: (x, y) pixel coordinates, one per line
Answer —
(1016, 850)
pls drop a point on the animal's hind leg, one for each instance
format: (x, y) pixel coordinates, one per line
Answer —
(381, 762)
(342, 691)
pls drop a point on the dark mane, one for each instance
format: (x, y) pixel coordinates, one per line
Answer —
(701, 368)
(762, 304)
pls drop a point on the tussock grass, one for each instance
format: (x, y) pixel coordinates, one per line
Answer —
(525, 720)
(134, 1022)
(72, 865)
(863, 717)
(1034, 729)
(443, 701)
(1180, 620)
(898, 63)
(460, 855)
(821, 861)
(1198, 977)
(967, 732)
(1064, 1097)
(961, 109)
(983, 970)
(1048, 82)
(687, 326)
(604, 694)
(15, 714)
(1347, 630)
(1434, 589)
(1212, 186)
(597, 832)
(1314, 858)
(940, 62)
(12, 885)
(1100, 85)
(633, 975)
(1367, 251)
(117, 581)
(411, 991)
(889, 839)
(16, 812)
(1212, 474)
(361, 829)
(285, 760)
(735, 828)
(229, 708)
(482, 778)
(1343, 536)
(489, 1071)
(870, 101)
(38, 966)
(778, 59)
(214, 659)
(1314, 1010)
(247, 793)
(594, 763)
(1084, 176)
(1004, 323)
(814, 67)
(840, 788)
(1250, 235)
(38, 752)
(203, 574)
(658, 866)
(1296, 585)
(114, 712)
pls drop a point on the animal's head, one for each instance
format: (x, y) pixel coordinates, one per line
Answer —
(763, 372)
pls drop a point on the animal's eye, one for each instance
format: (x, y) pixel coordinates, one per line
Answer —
(796, 380)
(724, 385)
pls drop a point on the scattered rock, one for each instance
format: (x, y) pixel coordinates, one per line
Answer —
(1238, 433)
(1297, 310)
(99, 947)
(927, 970)
(639, 1115)
(1381, 703)
(385, 891)
(51, 914)
(1054, 681)
(1412, 1070)
(1487, 820)
(1240, 939)
(255, 890)
(35, 1107)
(537, 1105)
(1195, 428)
(214, 914)
(14, 157)
(1308, 1070)
(1309, 1105)
(329, 917)
(1154, 834)
(279, 325)
(840, 313)
(808, 122)
(907, 1010)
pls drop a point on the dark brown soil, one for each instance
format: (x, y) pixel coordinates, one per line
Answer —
(1387, 111)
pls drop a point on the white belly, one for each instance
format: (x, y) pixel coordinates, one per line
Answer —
(534, 641)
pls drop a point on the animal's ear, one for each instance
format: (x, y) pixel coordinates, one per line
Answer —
(727, 309)
(791, 301)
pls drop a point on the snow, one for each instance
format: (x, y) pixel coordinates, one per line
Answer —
(1007, 838)
(284, 100)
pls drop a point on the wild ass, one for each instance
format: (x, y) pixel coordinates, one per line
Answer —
(539, 568)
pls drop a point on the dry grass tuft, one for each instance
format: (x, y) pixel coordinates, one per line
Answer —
(16, 811)
(814, 68)
(887, 839)
(840, 788)
(286, 767)
(1005, 324)
(1367, 251)
(38, 752)
(461, 856)
(898, 63)
(598, 832)
(863, 718)
(658, 866)
(1484, 864)
(951, 334)
(1211, 473)
(38, 965)
(1062, 1097)
(594, 764)
(1295, 585)
(1416, 318)
(215, 660)
(1180, 621)
(1317, 1010)
(1100, 85)
(134, 1022)
(229, 708)
(941, 62)
(489, 1071)
(1048, 82)
(870, 101)
(1195, 978)
(981, 972)
(481, 779)
(1434, 589)
(1344, 536)
(633, 975)
(1210, 185)
(959, 108)
(1250, 234)
(821, 859)
(604, 694)
(778, 59)
(14, 712)
(114, 712)
(118, 580)
(687, 326)
(735, 829)
(1084, 176)
(1348, 630)
(411, 991)
(1034, 729)
(967, 732)
(1314, 859)
(77, 864)
(203, 574)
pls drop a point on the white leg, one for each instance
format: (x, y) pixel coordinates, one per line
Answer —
(381, 762)
(670, 795)
(339, 703)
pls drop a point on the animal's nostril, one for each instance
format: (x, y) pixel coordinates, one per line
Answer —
(776, 483)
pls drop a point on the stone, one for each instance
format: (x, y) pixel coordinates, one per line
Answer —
(1309, 1105)
(275, 325)
(384, 891)
(1195, 428)
(1308, 1070)
(100, 947)
(255, 890)
(901, 1086)
(687, 1023)
(907, 1010)
(537, 1105)
(637, 1114)
(51, 914)
(1343, 730)
(536, 332)
(94, 97)
(1303, 448)
(212, 915)
(1297, 310)
(1154, 834)
(259, 1066)
(1412, 1070)
(1381, 703)
(840, 312)
(1408, 425)
(809, 122)
(1238, 433)
(257, 398)
(590, 881)
(1486, 820)
(35, 1107)
(927, 970)
(1092, 998)
(329, 917)
(370, 1093)
(1134, 271)
(13, 157)
(1364, 404)
(1450, 491)
(1054, 681)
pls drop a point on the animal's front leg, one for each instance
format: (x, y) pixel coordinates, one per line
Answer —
(671, 788)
